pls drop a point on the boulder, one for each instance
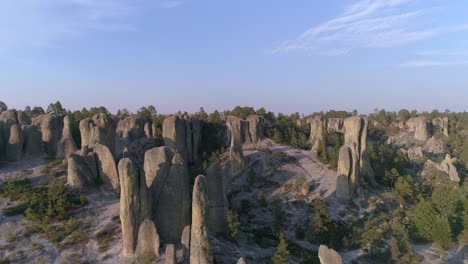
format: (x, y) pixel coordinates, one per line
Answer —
(32, 141)
(217, 199)
(185, 241)
(107, 169)
(80, 172)
(154, 130)
(328, 256)
(200, 248)
(98, 130)
(129, 205)
(157, 164)
(316, 132)
(51, 128)
(171, 254)
(14, 146)
(66, 145)
(148, 241)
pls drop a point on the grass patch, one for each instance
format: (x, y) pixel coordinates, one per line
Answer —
(105, 237)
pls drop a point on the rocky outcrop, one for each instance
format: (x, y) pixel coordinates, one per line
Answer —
(185, 241)
(171, 254)
(328, 256)
(14, 145)
(128, 131)
(32, 141)
(107, 168)
(335, 125)
(442, 124)
(148, 130)
(98, 130)
(236, 154)
(66, 145)
(435, 145)
(129, 206)
(172, 212)
(354, 164)
(415, 153)
(51, 127)
(257, 126)
(316, 132)
(419, 126)
(216, 183)
(200, 248)
(447, 166)
(23, 119)
(81, 171)
(148, 241)
(183, 135)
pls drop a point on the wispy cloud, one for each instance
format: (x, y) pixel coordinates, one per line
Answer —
(28, 23)
(430, 63)
(368, 23)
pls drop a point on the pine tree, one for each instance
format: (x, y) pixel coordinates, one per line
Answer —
(281, 255)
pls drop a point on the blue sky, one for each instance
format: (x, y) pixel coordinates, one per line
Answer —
(287, 56)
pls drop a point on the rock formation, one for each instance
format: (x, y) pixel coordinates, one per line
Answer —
(216, 183)
(66, 145)
(353, 161)
(98, 130)
(335, 125)
(415, 153)
(200, 248)
(148, 241)
(107, 168)
(182, 134)
(51, 127)
(185, 241)
(256, 128)
(236, 154)
(328, 256)
(32, 141)
(14, 145)
(129, 130)
(418, 125)
(442, 124)
(129, 206)
(92, 166)
(447, 166)
(316, 132)
(82, 171)
(171, 254)
(241, 261)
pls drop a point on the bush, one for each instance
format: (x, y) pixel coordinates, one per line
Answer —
(261, 199)
(233, 225)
